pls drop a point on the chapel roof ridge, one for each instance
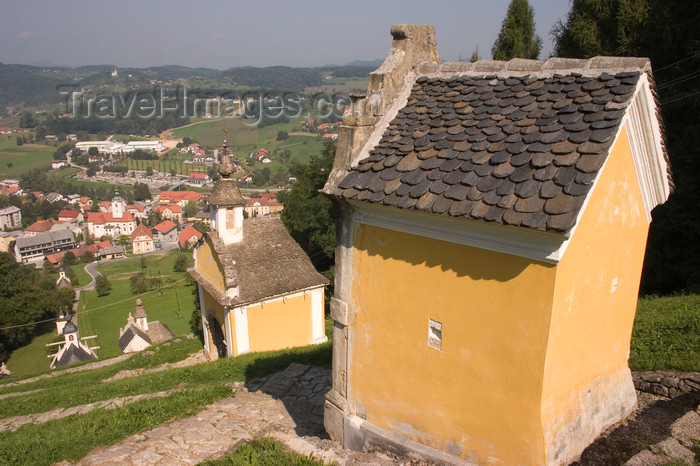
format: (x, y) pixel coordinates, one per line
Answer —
(594, 66)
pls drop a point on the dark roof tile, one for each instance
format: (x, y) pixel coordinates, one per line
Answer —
(545, 173)
(550, 189)
(563, 204)
(491, 197)
(589, 163)
(505, 187)
(461, 208)
(565, 175)
(513, 217)
(508, 201)
(563, 222)
(576, 189)
(566, 160)
(541, 159)
(528, 188)
(517, 151)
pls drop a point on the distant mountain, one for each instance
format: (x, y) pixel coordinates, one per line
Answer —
(95, 68)
(177, 71)
(20, 82)
(282, 78)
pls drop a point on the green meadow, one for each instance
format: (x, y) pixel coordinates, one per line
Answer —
(171, 304)
(14, 159)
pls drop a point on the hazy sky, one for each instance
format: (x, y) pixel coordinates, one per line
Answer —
(222, 34)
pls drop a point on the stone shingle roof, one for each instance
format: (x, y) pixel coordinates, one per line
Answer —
(520, 151)
(131, 332)
(72, 355)
(267, 262)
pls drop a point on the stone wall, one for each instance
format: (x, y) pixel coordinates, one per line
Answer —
(667, 383)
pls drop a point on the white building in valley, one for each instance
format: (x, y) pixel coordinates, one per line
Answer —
(114, 223)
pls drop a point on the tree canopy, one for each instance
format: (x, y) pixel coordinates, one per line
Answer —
(308, 214)
(517, 38)
(27, 295)
(667, 33)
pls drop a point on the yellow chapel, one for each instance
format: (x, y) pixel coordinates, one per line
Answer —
(258, 290)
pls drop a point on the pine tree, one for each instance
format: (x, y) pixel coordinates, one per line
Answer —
(475, 55)
(517, 38)
(668, 34)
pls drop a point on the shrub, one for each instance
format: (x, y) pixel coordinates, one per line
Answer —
(102, 285)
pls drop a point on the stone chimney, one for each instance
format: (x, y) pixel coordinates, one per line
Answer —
(411, 47)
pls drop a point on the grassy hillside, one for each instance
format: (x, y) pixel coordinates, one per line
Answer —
(244, 139)
(105, 315)
(196, 387)
(14, 159)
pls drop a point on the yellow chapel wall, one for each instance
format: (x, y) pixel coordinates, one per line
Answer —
(595, 299)
(282, 323)
(480, 394)
(211, 306)
(208, 265)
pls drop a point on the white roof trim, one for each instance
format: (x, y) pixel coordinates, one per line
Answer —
(644, 135)
(533, 244)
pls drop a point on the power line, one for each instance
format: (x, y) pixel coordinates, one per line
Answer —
(88, 310)
(675, 63)
(680, 98)
(678, 80)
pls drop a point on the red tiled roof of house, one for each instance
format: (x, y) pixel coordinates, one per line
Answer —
(40, 226)
(69, 213)
(57, 257)
(177, 196)
(101, 218)
(186, 234)
(102, 244)
(105, 204)
(165, 226)
(140, 208)
(141, 230)
(174, 208)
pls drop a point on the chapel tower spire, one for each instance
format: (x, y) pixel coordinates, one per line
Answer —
(226, 201)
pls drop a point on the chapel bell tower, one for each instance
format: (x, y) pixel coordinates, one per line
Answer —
(226, 202)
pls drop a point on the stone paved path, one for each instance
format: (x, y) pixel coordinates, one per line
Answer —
(677, 446)
(192, 359)
(13, 423)
(86, 367)
(287, 406)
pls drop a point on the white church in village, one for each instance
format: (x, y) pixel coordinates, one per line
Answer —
(114, 223)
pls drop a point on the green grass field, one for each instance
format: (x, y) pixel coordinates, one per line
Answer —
(105, 315)
(245, 139)
(666, 333)
(31, 359)
(197, 386)
(14, 159)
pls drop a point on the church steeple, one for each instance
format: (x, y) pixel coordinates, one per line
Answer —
(226, 201)
(118, 206)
